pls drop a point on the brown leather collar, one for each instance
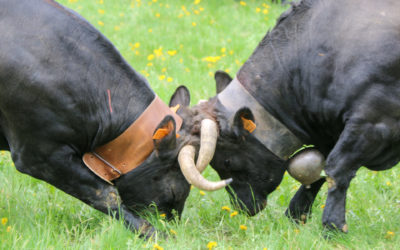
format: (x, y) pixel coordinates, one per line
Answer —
(132, 147)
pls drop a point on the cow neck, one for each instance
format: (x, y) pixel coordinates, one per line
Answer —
(130, 149)
(269, 131)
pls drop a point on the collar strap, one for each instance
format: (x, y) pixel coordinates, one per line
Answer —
(269, 131)
(132, 147)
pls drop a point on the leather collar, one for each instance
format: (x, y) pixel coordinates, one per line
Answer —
(269, 131)
(132, 147)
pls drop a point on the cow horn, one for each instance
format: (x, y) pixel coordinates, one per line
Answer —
(192, 174)
(208, 141)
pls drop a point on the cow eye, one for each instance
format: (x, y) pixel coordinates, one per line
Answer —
(227, 163)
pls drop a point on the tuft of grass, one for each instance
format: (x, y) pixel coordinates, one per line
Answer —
(189, 41)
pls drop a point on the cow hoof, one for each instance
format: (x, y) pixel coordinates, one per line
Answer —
(333, 228)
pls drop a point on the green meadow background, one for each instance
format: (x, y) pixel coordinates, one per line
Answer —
(175, 42)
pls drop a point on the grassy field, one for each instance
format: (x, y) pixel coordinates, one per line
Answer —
(174, 42)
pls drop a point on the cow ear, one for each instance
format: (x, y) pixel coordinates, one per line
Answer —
(244, 122)
(222, 79)
(164, 137)
(181, 97)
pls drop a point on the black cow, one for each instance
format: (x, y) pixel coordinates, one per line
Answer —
(64, 91)
(328, 75)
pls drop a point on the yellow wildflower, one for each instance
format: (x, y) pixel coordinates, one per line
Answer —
(243, 3)
(202, 193)
(101, 11)
(4, 221)
(223, 50)
(258, 9)
(194, 24)
(187, 69)
(196, 12)
(171, 52)
(8, 229)
(201, 8)
(100, 1)
(116, 28)
(389, 235)
(155, 1)
(163, 215)
(296, 230)
(150, 57)
(150, 30)
(163, 70)
(121, 14)
(191, 187)
(211, 245)
(157, 247)
(389, 183)
(158, 52)
(197, 1)
(157, 14)
(231, 52)
(161, 77)
(169, 79)
(100, 23)
(180, 15)
(150, 64)
(225, 208)
(265, 11)
(234, 213)
(322, 206)
(211, 59)
(173, 232)
(72, 1)
(265, 5)
(243, 227)
(136, 45)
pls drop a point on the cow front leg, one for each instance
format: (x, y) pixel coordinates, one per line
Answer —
(300, 205)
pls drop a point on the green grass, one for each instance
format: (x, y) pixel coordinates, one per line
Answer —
(42, 217)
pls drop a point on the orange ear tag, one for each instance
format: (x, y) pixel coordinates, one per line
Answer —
(175, 108)
(248, 125)
(160, 133)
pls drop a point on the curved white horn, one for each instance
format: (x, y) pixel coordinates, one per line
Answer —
(192, 175)
(208, 141)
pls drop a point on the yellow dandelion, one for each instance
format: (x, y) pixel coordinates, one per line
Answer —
(211, 245)
(136, 45)
(187, 69)
(4, 221)
(211, 59)
(157, 247)
(100, 1)
(233, 214)
(161, 77)
(223, 50)
(201, 8)
(296, 230)
(322, 206)
(158, 52)
(150, 30)
(180, 15)
(154, 1)
(258, 9)
(243, 3)
(194, 24)
(157, 14)
(116, 28)
(163, 215)
(137, 52)
(389, 235)
(197, 1)
(163, 70)
(265, 5)
(150, 64)
(227, 70)
(173, 232)
(210, 73)
(72, 1)
(231, 52)
(8, 229)
(388, 183)
(150, 57)
(196, 12)
(265, 11)
(202, 193)
(170, 79)
(100, 23)
(243, 227)
(101, 11)
(225, 208)
(171, 52)
(121, 14)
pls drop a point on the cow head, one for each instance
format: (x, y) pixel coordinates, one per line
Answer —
(239, 156)
(163, 178)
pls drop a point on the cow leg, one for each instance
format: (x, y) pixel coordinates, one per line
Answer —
(68, 173)
(300, 205)
(341, 166)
